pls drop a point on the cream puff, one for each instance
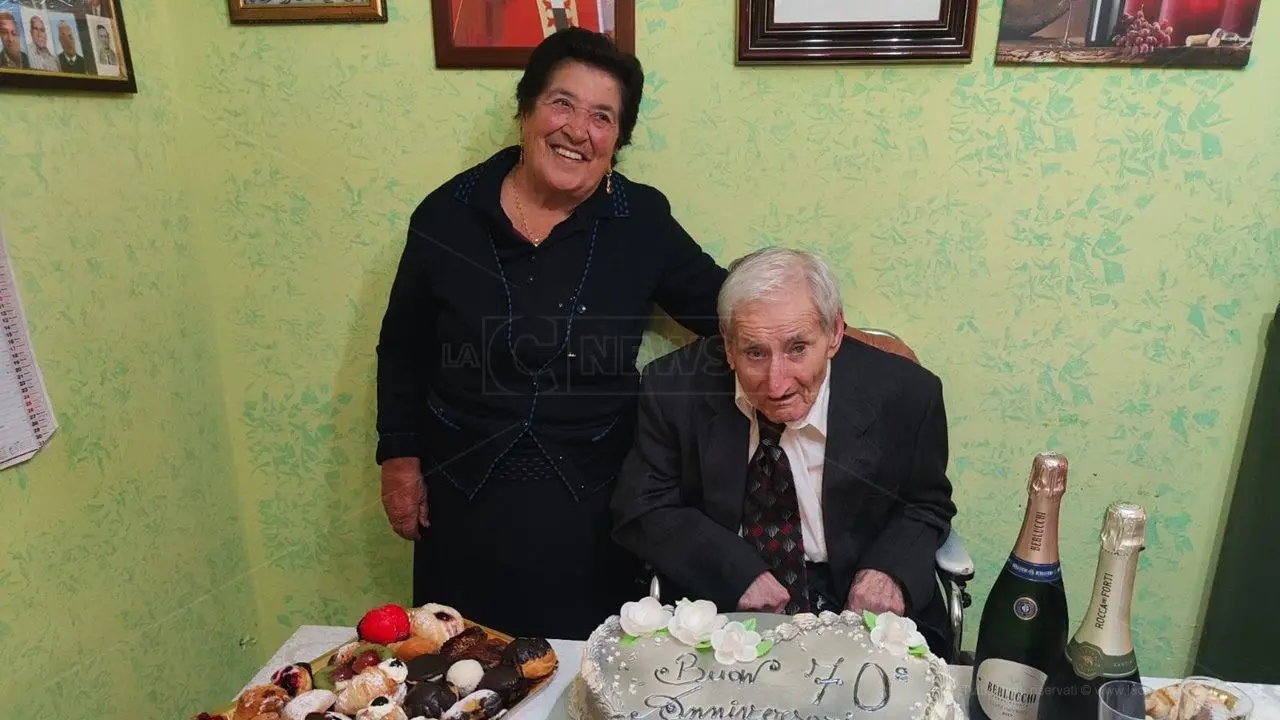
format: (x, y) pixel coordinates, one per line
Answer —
(465, 675)
(436, 624)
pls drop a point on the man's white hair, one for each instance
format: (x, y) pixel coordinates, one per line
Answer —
(768, 272)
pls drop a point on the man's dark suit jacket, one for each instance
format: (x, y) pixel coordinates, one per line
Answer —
(72, 66)
(886, 499)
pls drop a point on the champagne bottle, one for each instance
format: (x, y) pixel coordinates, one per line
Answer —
(1023, 629)
(1102, 648)
(1104, 16)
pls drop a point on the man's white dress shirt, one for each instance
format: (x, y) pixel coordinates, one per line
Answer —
(805, 442)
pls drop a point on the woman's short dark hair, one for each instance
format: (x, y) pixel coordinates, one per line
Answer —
(590, 48)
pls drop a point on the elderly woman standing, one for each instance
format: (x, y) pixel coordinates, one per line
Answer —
(506, 362)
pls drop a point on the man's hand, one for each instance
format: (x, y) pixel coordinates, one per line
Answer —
(403, 496)
(873, 590)
(765, 594)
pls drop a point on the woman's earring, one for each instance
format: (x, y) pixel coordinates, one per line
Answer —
(608, 182)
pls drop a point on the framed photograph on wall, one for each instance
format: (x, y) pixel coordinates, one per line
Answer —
(852, 31)
(1150, 33)
(307, 11)
(501, 33)
(65, 45)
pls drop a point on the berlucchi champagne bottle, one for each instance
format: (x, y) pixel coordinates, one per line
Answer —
(1023, 629)
(1102, 648)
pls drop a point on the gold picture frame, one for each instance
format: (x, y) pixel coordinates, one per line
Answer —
(65, 45)
(307, 11)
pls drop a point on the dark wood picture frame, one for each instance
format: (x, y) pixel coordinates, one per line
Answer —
(88, 79)
(762, 41)
(244, 12)
(452, 56)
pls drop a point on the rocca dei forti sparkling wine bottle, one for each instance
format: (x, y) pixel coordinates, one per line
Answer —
(1023, 629)
(1102, 648)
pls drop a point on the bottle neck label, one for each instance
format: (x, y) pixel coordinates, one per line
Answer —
(1035, 572)
(1106, 624)
(1089, 661)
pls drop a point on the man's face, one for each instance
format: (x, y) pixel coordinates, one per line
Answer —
(103, 36)
(779, 352)
(9, 38)
(66, 39)
(39, 35)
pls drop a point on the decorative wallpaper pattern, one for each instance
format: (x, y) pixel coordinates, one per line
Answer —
(1087, 257)
(125, 588)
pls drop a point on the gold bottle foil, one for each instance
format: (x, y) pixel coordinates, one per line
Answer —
(1124, 528)
(1048, 475)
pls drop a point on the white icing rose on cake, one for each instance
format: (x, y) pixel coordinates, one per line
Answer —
(734, 643)
(644, 616)
(894, 633)
(694, 622)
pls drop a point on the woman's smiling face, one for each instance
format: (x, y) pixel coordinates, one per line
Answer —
(571, 133)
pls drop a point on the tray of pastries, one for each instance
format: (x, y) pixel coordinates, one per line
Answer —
(1196, 701)
(423, 662)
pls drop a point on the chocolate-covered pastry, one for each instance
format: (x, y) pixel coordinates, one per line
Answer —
(331, 715)
(426, 668)
(487, 653)
(429, 699)
(533, 657)
(457, 647)
(504, 680)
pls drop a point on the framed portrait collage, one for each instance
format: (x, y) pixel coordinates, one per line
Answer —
(65, 45)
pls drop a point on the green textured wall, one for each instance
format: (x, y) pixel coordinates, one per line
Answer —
(125, 584)
(1086, 257)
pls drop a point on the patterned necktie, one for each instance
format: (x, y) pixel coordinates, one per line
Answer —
(771, 515)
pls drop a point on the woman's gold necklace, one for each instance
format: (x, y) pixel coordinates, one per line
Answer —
(524, 222)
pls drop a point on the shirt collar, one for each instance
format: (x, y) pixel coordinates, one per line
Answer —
(481, 186)
(816, 418)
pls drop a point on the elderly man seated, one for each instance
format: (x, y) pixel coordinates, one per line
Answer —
(784, 467)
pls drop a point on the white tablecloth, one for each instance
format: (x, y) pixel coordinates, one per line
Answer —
(312, 641)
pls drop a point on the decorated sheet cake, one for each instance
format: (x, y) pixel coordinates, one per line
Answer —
(655, 662)
(426, 662)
